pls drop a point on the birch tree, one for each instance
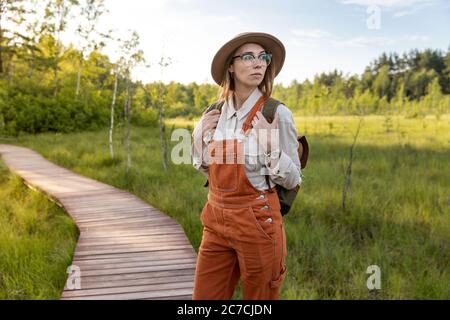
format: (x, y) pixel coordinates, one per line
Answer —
(163, 63)
(132, 56)
(113, 104)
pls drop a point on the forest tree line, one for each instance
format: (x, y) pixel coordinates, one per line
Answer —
(48, 86)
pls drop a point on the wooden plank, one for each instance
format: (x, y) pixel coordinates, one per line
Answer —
(130, 213)
(128, 254)
(132, 261)
(118, 194)
(171, 225)
(137, 269)
(139, 245)
(117, 278)
(136, 295)
(100, 208)
(122, 216)
(129, 289)
(125, 235)
(124, 221)
(175, 277)
(131, 239)
(106, 250)
(81, 202)
(133, 264)
(115, 241)
(130, 225)
(186, 297)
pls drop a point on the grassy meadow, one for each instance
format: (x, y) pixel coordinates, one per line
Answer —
(37, 240)
(397, 216)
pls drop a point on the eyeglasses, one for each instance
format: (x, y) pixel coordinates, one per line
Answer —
(249, 59)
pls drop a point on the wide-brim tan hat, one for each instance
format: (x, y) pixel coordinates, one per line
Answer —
(270, 43)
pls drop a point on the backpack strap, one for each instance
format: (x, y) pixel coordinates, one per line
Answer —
(217, 105)
(269, 109)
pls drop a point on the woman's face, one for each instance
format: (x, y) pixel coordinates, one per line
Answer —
(249, 75)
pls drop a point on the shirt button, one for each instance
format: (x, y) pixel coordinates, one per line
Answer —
(265, 207)
(261, 197)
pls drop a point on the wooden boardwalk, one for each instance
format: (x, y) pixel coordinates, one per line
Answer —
(126, 249)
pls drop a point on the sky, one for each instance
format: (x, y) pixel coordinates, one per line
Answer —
(319, 36)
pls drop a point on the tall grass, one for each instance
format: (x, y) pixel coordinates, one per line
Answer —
(397, 217)
(37, 240)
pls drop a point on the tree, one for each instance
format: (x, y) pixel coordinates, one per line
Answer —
(132, 56)
(12, 12)
(91, 11)
(56, 15)
(163, 63)
(382, 82)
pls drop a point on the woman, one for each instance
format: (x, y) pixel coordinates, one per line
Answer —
(243, 232)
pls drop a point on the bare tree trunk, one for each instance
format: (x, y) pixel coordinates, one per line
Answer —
(77, 92)
(31, 66)
(127, 120)
(55, 73)
(348, 173)
(1, 47)
(55, 69)
(11, 70)
(111, 147)
(162, 130)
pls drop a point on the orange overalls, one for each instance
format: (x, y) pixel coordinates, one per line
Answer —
(243, 231)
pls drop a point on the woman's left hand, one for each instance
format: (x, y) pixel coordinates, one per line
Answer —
(266, 133)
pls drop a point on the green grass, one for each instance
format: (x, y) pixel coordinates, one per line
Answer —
(37, 240)
(397, 218)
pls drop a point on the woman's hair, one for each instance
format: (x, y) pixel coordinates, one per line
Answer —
(227, 86)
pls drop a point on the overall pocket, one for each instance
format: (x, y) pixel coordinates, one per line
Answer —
(280, 260)
(223, 177)
(264, 222)
(223, 169)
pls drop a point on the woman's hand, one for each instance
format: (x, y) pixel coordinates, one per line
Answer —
(266, 133)
(209, 121)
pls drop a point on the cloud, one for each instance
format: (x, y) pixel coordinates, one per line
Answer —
(312, 33)
(400, 8)
(385, 3)
(370, 41)
(314, 38)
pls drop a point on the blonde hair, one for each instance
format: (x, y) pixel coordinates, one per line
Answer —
(228, 86)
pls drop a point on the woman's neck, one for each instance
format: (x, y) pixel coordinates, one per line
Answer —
(240, 95)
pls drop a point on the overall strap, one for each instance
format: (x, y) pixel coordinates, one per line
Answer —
(248, 121)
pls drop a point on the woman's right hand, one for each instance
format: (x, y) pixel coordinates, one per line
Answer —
(209, 121)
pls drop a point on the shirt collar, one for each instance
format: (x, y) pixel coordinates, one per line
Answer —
(246, 107)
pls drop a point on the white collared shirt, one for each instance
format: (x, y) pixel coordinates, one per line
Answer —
(287, 173)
